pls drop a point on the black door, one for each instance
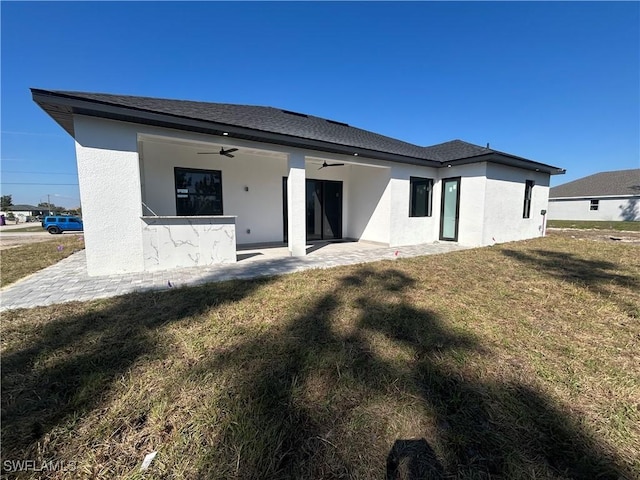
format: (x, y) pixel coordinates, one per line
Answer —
(332, 217)
(450, 209)
(324, 209)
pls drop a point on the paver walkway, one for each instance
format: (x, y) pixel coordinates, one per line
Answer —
(68, 281)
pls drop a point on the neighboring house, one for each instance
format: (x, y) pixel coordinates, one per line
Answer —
(22, 212)
(603, 196)
(191, 180)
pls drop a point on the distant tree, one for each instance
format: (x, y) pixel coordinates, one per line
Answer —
(49, 207)
(75, 211)
(5, 202)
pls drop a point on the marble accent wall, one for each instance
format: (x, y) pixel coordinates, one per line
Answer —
(175, 242)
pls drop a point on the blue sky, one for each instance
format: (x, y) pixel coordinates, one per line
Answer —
(557, 83)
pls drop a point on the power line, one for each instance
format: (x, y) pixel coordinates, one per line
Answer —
(26, 183)
(38, 134)
(44, 173)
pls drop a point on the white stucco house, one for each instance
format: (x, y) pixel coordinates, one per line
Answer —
(194, 180)
(23, 212)
(604, 196)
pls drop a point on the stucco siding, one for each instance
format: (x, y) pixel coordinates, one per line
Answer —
(368, 204)
(472, 201)
(406, 230)
(109, 178)
(504, 204)
(609, 209)
(123, 165)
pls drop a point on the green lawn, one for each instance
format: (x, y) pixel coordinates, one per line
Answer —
(620, 226)
(514, 361)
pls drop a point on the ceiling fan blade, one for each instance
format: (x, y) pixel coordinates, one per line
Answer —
(207, 153)
(335, 165)
(227, 153)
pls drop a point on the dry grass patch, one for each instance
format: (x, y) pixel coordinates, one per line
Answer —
(629, 226)
(516, 361)
(29, 229)
(19, 262)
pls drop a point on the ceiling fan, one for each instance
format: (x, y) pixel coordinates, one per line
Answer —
(226, 153)
(325, 164)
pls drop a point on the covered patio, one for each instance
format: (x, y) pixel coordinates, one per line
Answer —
(280, 201)
(315, 249)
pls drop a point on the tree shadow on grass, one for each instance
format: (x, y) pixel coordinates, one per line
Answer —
(273, 430)
(65, 368)
(413, 460)
(595, 275)
(302, 401)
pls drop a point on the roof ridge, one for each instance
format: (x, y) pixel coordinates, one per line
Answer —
(617, 171)
(609, 183)
(77, 93)
(84, 95)
(254, 122)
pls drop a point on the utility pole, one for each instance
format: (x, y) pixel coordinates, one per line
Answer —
(49, 202)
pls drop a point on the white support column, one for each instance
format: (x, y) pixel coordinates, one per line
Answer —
(296, 206)
(109, 174)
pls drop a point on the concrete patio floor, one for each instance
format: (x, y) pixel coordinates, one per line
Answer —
(68, 280)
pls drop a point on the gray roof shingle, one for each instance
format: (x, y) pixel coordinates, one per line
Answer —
(23, 207)
(454, 150)
(266, 119)
(258, 122)
(619, 182)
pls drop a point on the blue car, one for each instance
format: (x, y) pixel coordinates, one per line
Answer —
(61, 224)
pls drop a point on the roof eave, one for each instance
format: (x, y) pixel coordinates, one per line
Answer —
(62, 109)
(510, 160)
(588, 197)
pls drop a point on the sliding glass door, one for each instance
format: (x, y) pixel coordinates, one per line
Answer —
(323, 209)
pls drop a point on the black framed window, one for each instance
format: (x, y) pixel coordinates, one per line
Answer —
(198, 192)
(528, 191)
(420, 197)
(594, 205)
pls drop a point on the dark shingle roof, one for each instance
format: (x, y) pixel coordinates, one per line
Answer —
(265, 119)
(620, 182)
(23, 208)
(265, 124)
(454, 150)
